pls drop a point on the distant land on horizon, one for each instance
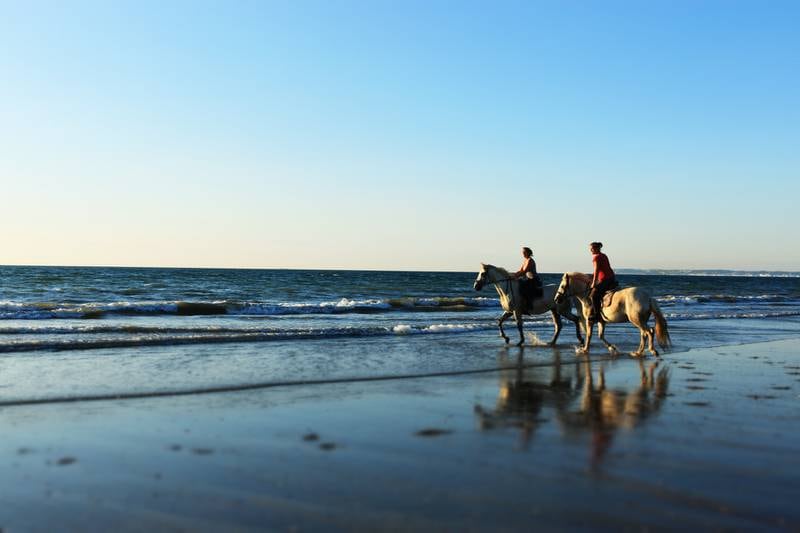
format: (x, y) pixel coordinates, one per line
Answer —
(709, 272)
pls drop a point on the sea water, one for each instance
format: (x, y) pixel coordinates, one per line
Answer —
(79, 332)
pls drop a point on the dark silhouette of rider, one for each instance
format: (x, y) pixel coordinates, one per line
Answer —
(530, 283)
(603, 279)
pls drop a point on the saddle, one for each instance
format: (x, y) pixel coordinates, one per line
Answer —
(606, 301)
(608, 296)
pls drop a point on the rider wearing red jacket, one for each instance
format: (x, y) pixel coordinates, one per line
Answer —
(603, 278)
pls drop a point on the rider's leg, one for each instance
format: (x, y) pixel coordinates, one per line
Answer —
(594, 297)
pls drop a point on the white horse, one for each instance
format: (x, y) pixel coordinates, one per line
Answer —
(633, 304)
(514, 304)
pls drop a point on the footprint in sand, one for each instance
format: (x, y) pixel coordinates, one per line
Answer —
(202, 451)
(432, 432)
(697, 404)
(761, 397)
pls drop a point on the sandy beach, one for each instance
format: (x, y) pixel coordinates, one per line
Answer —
(705, 438)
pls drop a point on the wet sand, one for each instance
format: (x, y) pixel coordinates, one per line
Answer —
(705, 438)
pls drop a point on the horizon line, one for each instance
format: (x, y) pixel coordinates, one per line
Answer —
(622, 270)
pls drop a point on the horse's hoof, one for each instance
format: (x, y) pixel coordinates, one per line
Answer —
(520, 343)
(636, 354)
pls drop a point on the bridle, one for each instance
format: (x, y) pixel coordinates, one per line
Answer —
(483, 280)
(569, 293)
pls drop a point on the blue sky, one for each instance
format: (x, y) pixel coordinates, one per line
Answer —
(401, 135)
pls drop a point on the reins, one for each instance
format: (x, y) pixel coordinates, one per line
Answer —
(573, 294)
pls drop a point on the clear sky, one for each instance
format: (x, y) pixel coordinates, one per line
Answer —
(424, 135)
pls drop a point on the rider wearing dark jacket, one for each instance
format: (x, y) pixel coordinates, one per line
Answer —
(530, 284)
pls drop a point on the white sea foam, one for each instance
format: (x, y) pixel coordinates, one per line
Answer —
(452, 328)
(721, 298)
(405, 329)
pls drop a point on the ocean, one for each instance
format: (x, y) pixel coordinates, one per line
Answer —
(74, 332)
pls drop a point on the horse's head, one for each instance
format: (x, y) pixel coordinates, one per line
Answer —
(480, 281)
(563, 289)
(573, 284)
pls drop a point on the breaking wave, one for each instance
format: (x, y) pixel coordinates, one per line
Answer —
(44, 310)
(156, 336)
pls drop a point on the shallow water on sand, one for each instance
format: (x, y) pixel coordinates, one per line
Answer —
(78, 332)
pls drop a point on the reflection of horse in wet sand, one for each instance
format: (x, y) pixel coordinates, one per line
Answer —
(603, 411)
(581, 403)
(522, 394)
(633, 304)
(514, 304)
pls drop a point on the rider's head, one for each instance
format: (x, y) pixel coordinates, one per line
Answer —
(595, 247)
(526, 252)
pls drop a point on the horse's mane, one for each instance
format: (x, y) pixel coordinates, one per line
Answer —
(502, 270)
(586, 278)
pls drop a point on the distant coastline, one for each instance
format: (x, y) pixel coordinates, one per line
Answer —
(710, 272)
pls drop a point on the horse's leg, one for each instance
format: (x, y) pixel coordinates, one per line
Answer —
(585, 348)
(557, 323)
(645, 334)
(640, 349)
(650, 334)
(577, 322)
(518, 318)
(566, 312)
(601, 332)
(500, 324)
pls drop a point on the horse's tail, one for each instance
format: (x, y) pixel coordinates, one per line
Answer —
(662, 333)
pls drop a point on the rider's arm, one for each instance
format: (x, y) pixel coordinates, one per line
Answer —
(524, 268)
(519, 272)
(594, 274)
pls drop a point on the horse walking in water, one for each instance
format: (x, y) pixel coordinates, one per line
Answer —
(514, 304)
(634, 305)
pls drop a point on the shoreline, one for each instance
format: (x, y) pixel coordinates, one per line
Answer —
(703, 438)
(535, 349)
